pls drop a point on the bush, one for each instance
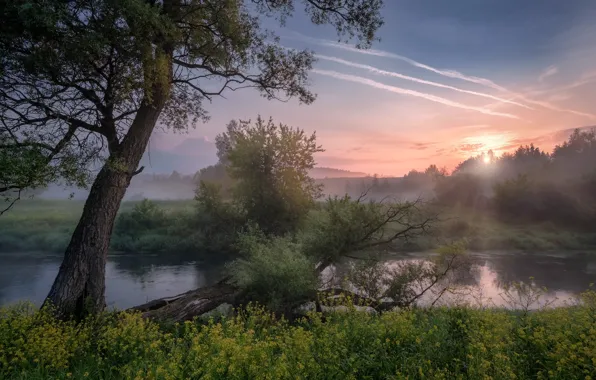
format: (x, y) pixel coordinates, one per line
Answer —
(273, 272)
(442, 343)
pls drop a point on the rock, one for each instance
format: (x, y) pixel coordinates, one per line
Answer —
(223, 310)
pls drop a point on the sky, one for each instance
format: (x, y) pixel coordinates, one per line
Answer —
(448, 80)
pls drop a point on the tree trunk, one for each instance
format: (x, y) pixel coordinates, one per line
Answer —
(79, 287)
(186, 306)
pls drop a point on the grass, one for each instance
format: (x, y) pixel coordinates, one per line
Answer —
(44, 225)
(442, 343)
(47, 225)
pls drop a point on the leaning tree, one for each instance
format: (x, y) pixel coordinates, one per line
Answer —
(85, 82)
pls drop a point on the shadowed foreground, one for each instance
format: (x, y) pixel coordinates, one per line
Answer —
(444, 343)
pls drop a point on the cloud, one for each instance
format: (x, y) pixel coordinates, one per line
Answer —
(549, 71)
(422, 145)
(559, 97)
(470, 147)
(448, 73)
(585, 79)
(417, 80)
(381, 53)
(357, 149)
(458, 75)
(399, 90)
(546, 105)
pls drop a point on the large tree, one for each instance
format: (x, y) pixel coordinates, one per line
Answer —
(90, 79)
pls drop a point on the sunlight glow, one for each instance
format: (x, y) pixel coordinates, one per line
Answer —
(483, 143)
(486, 159)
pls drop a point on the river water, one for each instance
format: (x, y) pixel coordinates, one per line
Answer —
(133, 279)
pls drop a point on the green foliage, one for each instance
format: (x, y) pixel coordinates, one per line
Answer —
(44, 225)
(461, 190)
(143, 229)
(345, 225)
(529, 185)
(217, 221)
(577, 154)
(403, 283)
(523, 199)
(270, 164)
(145, 215)
(273, 271)
(76, 74)
(442, 343)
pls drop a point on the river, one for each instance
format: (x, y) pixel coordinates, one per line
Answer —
(132, 279)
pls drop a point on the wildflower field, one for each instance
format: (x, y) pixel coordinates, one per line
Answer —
(439, 343)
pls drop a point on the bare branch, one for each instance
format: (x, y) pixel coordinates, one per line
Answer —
(14, 200)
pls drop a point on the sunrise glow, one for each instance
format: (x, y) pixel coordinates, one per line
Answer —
(448, 91)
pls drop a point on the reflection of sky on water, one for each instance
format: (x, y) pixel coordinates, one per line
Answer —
(130, 279)
(563, 276)
(135, 279)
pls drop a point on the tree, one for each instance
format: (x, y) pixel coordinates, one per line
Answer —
(270, 164)
(526, 159)
(88, 80)
(175, 176)
(434, 172)
(346, 225)
(577, 154)
(215, 174)
(281, 272)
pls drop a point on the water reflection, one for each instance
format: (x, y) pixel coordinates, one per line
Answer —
(563, 275)
(136, 278)
(130, 279)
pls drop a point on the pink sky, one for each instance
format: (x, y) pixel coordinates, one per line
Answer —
(381, 112)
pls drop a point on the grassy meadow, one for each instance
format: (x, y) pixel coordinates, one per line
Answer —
(46, 225)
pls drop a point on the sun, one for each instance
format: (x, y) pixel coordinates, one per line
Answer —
(486, 159)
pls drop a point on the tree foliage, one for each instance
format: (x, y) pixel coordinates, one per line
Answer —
(76, 73)
(270, 164)
(346, 225)
(407, 282)
(217, 221)
(90, 79)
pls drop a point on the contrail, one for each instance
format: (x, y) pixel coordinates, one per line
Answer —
(447, 73)
(417, 80)
(457, 75)
(399, 90)
(588, 79)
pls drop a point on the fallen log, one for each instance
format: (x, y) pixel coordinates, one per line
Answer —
(186, 306)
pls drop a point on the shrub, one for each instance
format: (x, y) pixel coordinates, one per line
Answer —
(273, 272)
(441, 343)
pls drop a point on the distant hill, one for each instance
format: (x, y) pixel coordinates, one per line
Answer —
(320, 173)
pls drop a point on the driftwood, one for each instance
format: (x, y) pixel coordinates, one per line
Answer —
(186, 306)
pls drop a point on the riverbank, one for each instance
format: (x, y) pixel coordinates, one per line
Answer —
(436, 343)
(46, 225)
